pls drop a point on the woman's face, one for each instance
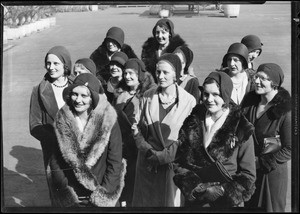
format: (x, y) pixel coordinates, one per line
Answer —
(212, 98)
(235, 65)
(54, 66)
(115, 70)
(183, 62)
(162, 35)
(165, 74)
(253, 55)
(263, 85)
(81, 99)
(112, 45)
(131, 77)
(80, 69)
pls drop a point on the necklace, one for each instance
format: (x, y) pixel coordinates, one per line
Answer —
(166, 101)
(60, 86)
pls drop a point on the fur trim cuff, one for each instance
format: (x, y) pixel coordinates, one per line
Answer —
(101, 198)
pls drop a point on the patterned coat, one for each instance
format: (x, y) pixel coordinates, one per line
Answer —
(231, 145)
(88, 164)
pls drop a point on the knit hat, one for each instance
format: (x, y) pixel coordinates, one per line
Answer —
(166, 23)
(138, 66)
(188, 55)
(63, 54)
(274, 72)
(119, 57)
(88, 63)
(238, 49)
(224, 82)
(116, 34)
(174, 61)
(252, 42)
(88, 80)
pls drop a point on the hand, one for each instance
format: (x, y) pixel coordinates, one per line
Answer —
(212, 193)
(152, 158)
(201, 188)
(267, 163)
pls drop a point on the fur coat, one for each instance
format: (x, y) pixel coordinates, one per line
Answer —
(88, 163)
(99, 56)
(231, 145)
(149, 48)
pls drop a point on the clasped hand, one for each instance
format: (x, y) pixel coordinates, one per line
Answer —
(207, 192)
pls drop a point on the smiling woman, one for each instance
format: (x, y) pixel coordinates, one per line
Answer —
(87, 169)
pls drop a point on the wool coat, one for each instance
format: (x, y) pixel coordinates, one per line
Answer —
(101, 60)
(232, 145)
(125, 105)
(272, 170)
(88, 164)
(191, 85)
(43, 108)
(154, 186)
(149, 52)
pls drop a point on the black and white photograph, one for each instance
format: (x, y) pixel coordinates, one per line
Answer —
(123, 106)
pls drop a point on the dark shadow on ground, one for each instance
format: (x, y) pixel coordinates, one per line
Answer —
(27, 185)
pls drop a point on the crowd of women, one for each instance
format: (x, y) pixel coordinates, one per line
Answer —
(118, 130)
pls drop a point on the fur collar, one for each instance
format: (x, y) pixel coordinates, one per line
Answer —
(235, 131)
(281, 103)
(82, 150)
(151, 45)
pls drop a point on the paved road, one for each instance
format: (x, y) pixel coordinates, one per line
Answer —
(209, 35)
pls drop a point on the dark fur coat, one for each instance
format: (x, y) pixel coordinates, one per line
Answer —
(231, 145)
(150, 47)
(88, 163)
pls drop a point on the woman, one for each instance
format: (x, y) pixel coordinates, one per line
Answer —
(254, 46)
(85, 65)
(137, 80)
(236, 61)
(216, 134)
(87, 167)
(187, 80)
(161, 114)
(47, 99)
(164, 40)
(115, 83)
(113, 42)
(269, 109)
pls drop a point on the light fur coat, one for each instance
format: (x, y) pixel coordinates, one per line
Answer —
(82, 152)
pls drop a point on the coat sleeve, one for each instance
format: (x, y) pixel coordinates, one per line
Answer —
(42, 132)
(167, 155)
(243, 185)
(114, 160)
(284, 154)
(139, 129)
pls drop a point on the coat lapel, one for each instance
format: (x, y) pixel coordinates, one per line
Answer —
(154, 116)
(48, 98)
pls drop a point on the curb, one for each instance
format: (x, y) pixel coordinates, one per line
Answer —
(27, 29)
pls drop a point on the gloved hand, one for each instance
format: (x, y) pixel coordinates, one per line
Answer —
(201, 189)
(267, 163)
(212, 193)
(152, 158)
